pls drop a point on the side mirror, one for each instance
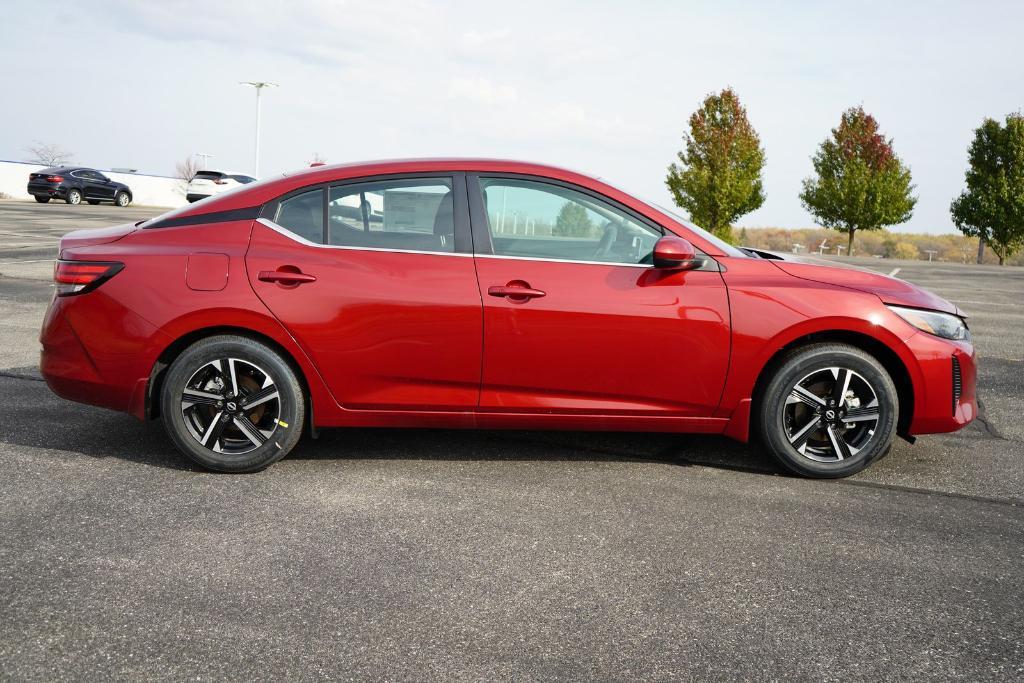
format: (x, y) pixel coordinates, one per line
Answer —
(676, 253)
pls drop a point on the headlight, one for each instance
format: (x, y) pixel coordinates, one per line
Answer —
(940, 324)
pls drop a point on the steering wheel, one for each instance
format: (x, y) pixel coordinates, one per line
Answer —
(607, 241)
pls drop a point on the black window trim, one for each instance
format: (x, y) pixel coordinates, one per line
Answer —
(463, 239)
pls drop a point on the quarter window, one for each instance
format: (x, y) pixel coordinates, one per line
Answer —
(303, 214)
(413, 214)
(541, 220)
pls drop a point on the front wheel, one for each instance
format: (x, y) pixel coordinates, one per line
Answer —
(122, 198)
(232, 404)
(828, 411)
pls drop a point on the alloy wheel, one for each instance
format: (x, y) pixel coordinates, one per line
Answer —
(231, 406)
(831, 414)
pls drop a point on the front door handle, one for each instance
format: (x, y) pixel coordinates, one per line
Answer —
(517, 290)
(284, 277)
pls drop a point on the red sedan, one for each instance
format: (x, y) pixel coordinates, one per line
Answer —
(488, 294)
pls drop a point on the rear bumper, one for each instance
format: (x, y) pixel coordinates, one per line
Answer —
(96, 351)
(941, 403)
(47, 191)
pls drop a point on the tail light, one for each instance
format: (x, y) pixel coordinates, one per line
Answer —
(79, 277)
(54, 178)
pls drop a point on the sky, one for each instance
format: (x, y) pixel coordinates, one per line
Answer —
(602, 87)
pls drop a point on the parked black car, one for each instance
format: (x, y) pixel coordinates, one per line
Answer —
(75, 183)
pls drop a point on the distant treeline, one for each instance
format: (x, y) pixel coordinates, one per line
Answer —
(953, 248)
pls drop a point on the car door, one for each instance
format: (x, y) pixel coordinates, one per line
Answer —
(105, 187)
(576, 320)
(375, 280)
(86, 181)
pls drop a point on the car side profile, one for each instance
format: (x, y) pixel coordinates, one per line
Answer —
(208, 183)
(469, 293)
(75, 184)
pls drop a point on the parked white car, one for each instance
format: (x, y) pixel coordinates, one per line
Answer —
(208, 183)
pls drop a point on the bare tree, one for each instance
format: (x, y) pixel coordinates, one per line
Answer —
(186, 169)
(48, 154)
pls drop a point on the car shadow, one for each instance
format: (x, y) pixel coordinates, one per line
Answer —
(35, 418)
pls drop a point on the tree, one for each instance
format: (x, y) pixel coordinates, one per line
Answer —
(48, 154)
(572, 221)
(185, 170)
(859, 182)
(718, 178)
(992, 207)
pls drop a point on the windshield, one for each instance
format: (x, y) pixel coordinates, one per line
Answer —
(726, 248)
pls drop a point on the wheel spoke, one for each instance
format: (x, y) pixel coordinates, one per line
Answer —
(861, 414)
(800, 438)
(804, 396)
(265, 394)
(214, 426)
(191, 397)
(839, 445)
(842, 384)
(234, 378)
(250, 430)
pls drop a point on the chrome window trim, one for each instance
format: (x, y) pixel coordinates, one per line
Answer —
(565, 260)
(302, 240)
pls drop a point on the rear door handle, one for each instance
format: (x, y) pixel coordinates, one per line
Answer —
(285, 277)
(516, 292)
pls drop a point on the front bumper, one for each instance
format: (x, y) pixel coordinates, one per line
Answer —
(945, 392)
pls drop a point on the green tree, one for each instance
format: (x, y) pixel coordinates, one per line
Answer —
(572, 221)
(992, 207)
(718, 178)
(859, 182)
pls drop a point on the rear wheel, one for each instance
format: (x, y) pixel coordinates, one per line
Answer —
(122, 198)
(74, 196)
(828, 411)
(41, 200)
(232, 404)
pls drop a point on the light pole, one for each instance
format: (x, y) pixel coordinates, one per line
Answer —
(205, 157)
(259, 86)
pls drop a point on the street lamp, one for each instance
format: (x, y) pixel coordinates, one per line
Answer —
(204, 156)
(259, 86)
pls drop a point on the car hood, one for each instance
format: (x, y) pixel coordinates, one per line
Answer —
(93, 236)
(889, 289)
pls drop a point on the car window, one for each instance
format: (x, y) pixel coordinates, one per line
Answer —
(244, 179)
(412, 214)
(541, 220)
(303, 214)
(209, 175)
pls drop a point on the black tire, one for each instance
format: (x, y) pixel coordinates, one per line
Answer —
(122, 199)
(74, 197)
(805, 433)
(94, 202)
(41, 200)
(200, 369)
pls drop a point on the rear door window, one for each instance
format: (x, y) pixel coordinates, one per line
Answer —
(410, 214)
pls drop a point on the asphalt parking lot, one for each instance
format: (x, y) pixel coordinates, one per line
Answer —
(478, 555)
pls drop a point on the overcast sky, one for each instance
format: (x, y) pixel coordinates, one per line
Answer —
(602, 87)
